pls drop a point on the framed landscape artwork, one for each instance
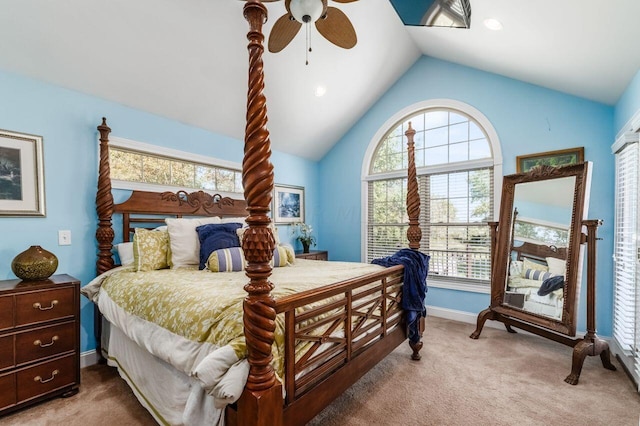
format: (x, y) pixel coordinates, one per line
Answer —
(563, 157)
(288, 204)
(21, 175)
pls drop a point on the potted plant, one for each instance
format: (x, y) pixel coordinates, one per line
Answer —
(302, 232)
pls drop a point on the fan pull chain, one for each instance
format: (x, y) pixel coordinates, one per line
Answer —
(308, 43)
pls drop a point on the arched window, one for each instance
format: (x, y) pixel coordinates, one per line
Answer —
(457, 154)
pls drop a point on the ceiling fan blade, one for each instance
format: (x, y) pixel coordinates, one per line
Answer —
(337, 28)
(283, 31)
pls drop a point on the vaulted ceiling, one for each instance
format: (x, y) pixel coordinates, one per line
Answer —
(187, 60)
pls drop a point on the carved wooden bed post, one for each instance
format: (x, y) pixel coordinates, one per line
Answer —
(261, 402)
(414, 233)
(104, 233)
(104, 203)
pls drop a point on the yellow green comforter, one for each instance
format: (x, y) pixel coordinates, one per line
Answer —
(205, 307)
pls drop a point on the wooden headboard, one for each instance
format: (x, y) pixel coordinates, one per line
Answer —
(539, 251)
(152, 207)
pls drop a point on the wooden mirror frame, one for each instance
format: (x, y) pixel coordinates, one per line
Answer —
(558, 330)
(502, 249)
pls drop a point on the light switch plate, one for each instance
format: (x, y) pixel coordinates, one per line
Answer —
(64, 238)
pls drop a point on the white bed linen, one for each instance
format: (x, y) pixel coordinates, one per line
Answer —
(171, 397)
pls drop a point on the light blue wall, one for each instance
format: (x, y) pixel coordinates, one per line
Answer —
(67, 121)
(628, 104)
(527, 119)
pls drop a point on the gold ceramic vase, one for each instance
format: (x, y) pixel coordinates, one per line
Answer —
(35, 263)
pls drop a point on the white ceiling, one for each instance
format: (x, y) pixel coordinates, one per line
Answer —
(187, 59)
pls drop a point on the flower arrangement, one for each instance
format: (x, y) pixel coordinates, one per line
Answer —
(302, 232)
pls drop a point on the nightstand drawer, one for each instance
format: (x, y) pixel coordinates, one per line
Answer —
(46, 377)
(44, 305)
(45, 342)
(7, 390)
(6, 312)
(6, 352)
(313, 255)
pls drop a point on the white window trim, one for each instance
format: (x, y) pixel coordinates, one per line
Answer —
(147, 148)
(366, 176)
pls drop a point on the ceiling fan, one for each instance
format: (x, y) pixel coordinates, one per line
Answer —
(330, 22)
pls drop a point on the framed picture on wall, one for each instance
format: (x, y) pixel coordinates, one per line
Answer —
(563, 157)
(288, 204)
(21, 175)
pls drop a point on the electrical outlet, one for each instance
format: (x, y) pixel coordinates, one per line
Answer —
(64, 238)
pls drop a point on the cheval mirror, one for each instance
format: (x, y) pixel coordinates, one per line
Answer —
(537, 251)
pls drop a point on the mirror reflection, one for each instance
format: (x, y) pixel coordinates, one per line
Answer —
(539, 237)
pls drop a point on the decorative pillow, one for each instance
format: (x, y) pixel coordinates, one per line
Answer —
(557, 266)
(216, 236)
(280, 257)
(183, 240)
(515, 268)
(530, 264)
(536, 274)
(150, 249)
(125, 253)
(240, 219)
(226, 260)
(232, 259)
(291, 254)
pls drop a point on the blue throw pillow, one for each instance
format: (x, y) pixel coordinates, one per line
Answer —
(215, 236)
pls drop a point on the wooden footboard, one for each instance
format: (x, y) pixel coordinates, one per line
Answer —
(350, 327)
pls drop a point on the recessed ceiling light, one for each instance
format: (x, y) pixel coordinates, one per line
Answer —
(320, 91)
(493, 24)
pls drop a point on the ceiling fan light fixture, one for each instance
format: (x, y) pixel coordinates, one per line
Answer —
(306, 11)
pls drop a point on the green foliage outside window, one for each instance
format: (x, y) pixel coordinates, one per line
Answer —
(134, 166)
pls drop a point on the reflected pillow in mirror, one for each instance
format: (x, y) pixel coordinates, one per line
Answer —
(532, 264)
(557, 266)
(536, 274)
(515, 268)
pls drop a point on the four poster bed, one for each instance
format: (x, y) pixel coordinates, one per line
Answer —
(299, 343)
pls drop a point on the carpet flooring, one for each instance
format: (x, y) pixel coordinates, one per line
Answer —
(500, 379)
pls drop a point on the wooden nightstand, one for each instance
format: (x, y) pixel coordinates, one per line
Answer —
(39, 340)
(313, 255)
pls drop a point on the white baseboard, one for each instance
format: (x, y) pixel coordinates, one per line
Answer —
(460, 316)
(88, 358)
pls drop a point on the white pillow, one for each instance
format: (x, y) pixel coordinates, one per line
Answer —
(557, 266)
(125, 253)
(183, 240)
(240, 219)
(515, 268)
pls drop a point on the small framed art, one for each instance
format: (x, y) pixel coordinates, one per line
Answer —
(563, 157)
(21, 175)
(288, 204)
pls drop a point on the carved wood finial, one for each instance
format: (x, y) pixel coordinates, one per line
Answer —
(263, 392)
(104, 203)
(414, 233)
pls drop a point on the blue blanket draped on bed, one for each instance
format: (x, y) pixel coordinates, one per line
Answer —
(414, 291)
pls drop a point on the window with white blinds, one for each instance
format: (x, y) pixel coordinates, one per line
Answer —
(455, 179)
(626, 317)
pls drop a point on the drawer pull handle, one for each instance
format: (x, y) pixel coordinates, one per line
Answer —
(53, 376)
(39, 342)
(37, 305)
